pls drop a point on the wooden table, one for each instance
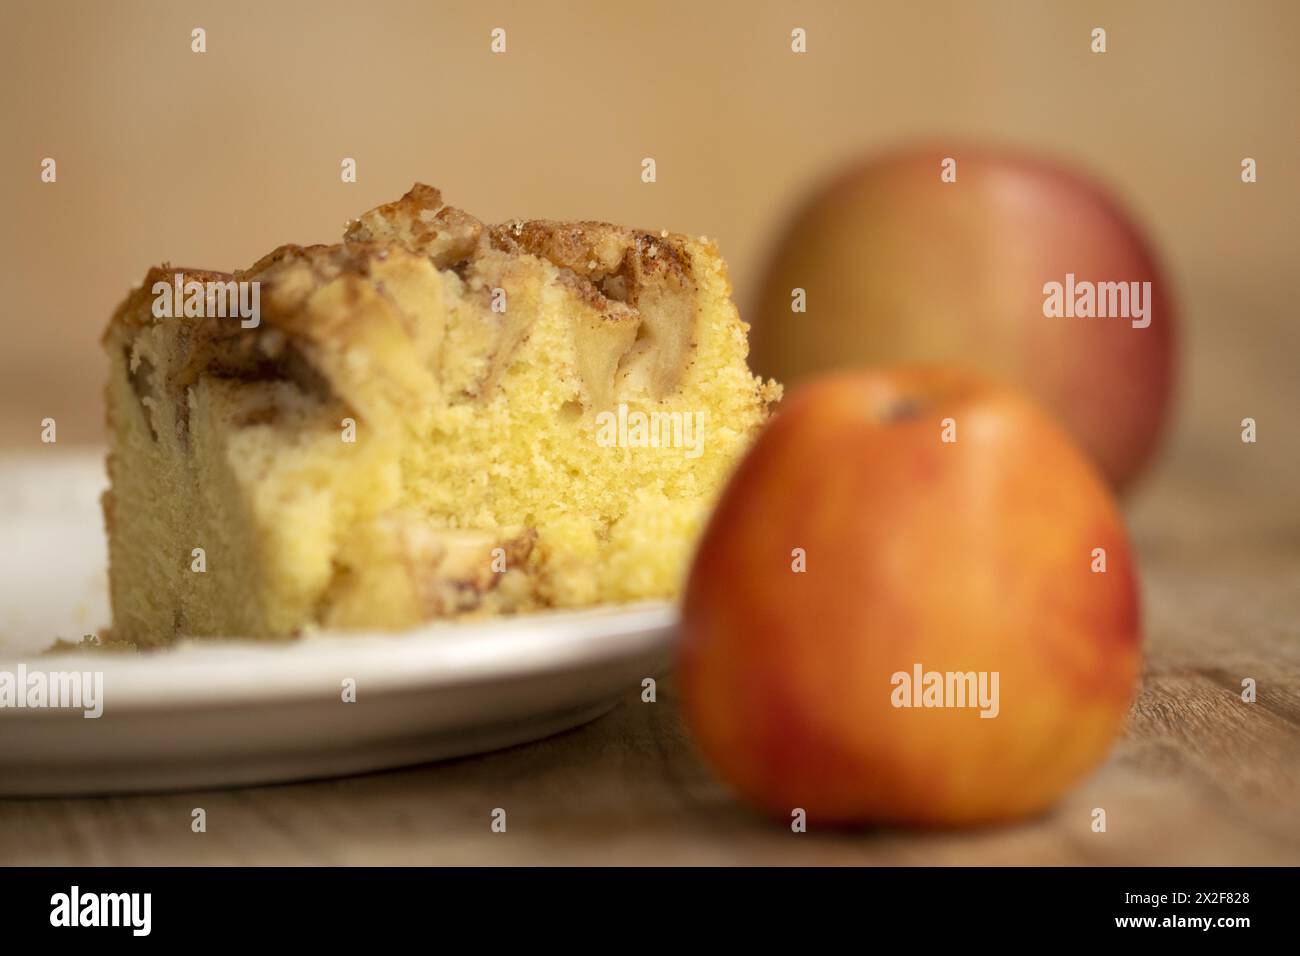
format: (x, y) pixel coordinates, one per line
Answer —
(1200, 777)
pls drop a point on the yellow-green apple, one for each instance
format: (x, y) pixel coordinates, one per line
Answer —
(934, 255)
(915, 603)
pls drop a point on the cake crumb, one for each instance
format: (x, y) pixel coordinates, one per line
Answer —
(90, 642)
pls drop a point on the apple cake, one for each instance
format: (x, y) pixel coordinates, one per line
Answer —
(435, 417)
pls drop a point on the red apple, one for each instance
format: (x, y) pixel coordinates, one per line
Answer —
(898, 265)
(999, 552)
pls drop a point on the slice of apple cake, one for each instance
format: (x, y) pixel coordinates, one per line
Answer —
(435, 417)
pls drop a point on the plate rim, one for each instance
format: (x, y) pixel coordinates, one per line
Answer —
(223, 672)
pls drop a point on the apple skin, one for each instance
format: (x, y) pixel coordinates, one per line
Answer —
(971, 555)
(900, 267)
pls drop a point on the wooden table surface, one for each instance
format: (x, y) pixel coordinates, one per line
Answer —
(1200, 777)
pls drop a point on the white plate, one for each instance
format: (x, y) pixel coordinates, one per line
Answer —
(235, 713)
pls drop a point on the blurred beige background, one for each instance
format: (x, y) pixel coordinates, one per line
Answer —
(214, 159)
